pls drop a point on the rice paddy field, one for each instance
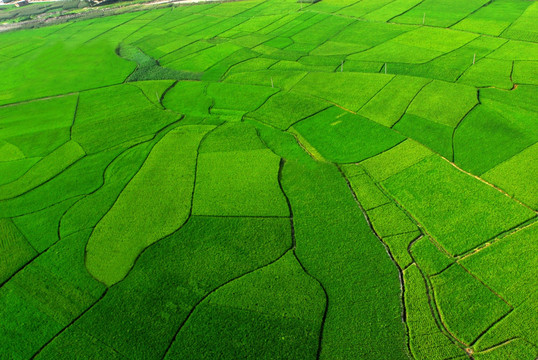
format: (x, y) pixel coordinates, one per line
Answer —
(272, 180)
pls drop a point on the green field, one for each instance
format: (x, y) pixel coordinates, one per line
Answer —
(269, 179)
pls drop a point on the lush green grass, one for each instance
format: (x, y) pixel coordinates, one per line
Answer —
(122, 233)
(210, 164)
(336, 246)
(427, 340)
(202, 256)
(454, 290)
(343, 137)
(276, 311)
(517, 176)
(491, 134)
(459, 212)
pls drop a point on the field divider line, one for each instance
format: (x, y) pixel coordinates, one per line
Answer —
(116, 26)
(158, 138)
(434, 309)
(389, 253)
(461, 120)
(485, 331)
(409, 103)
(213, 291)
(471, 13)
(400, 14)
(71, 323)
(503, 234)
(294, 250)
(74, 117)
(502, 343)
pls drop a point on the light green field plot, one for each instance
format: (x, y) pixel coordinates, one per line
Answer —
(357, 89)
(344, 137)
(432, 260)
(230, 168)
(508, 265)
(450, 66)
(437, 96)
(391, 102)
(269, 179)
(442, 13)
(517, 176)
(454, 288)
(427, 341)
(524, 28)
(493, 133)
(493, 18)
(284, 109)
(441, 198)
(97, 116)
(36, 128)
(489, 72)
(115, 242)
(394, 160)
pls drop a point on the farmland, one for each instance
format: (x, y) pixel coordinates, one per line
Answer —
(272, 179)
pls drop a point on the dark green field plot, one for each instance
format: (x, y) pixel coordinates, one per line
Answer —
(269, 179)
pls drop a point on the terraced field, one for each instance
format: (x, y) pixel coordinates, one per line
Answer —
(272, 180)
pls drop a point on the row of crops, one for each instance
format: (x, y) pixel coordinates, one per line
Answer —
(272, 179)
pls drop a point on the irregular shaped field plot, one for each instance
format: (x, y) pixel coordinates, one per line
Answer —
(269, 179)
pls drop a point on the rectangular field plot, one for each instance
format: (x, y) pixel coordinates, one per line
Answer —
(492, 133)
(426, 340)
(335, 245)
(349, 90)
(493, 18)
(454, 290)
(344, 137)
(394, 160)
(509, 265)
(459, 211)
(442, 13)
(518, 176)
